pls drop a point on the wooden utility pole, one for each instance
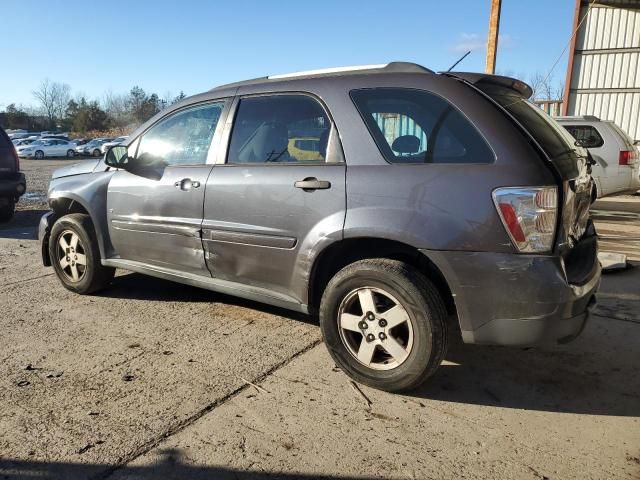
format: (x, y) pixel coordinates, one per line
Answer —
(492, 38)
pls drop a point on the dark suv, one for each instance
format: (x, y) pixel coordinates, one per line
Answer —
(427, 197)
(12, 181)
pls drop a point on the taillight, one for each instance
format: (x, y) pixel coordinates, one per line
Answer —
(529, 215)
(626, 157)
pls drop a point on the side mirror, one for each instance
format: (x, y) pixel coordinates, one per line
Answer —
(117, 157)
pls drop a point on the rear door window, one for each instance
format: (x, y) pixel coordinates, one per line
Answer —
(415, 126)
(279, 128)
(587, 135)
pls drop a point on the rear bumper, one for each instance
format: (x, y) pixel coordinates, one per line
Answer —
(13, 186)
(518, 300)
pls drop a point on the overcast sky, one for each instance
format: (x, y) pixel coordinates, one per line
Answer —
(168, 46)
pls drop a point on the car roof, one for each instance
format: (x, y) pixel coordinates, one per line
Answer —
(306, 76)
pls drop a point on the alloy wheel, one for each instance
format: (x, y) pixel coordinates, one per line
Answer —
(71, 256)
(375, 328)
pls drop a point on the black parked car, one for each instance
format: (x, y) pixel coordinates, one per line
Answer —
(12, 182)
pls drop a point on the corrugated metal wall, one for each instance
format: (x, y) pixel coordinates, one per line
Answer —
(395, 125)
(605, 80)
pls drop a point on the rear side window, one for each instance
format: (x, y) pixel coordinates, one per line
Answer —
(415, 126)
(279, 128)
(587, 135)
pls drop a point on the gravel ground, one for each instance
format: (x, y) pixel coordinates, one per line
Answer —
(151, 379)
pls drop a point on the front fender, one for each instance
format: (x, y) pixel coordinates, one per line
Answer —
(89, 191)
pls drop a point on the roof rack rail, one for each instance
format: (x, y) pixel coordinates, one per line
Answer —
(390, 67)
(393, 67)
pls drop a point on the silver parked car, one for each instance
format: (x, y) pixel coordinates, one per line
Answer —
(116, 141)
(47, 147)
(92, 148)
(422, 197)
(617, 160)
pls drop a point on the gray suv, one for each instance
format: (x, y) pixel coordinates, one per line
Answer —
(401, 205)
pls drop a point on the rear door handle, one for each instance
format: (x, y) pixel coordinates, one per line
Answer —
(310, 184)
(187, 184)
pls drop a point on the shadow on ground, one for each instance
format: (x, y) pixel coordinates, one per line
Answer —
(569, 379)
(23, 226)
(171, 466)
(135, 286)
(578, 381)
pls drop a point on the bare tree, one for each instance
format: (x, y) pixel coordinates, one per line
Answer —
(545, 87)
(53, 98)
(117, 108)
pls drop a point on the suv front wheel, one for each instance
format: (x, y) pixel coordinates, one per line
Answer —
(74, 253)
(384, 323)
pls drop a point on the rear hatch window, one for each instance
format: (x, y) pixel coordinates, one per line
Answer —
(557, 143)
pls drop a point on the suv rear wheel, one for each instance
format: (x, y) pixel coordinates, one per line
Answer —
(384, 324)
(73, 249)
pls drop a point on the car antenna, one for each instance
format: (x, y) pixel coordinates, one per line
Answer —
(461, 58)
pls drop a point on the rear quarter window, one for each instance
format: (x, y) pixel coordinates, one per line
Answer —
(416, 126)
(587, 135)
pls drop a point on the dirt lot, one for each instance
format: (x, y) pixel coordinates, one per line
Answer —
(151, 379)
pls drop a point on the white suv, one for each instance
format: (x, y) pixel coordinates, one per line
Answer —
(617, 167)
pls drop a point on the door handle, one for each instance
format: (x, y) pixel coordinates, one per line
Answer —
(187, 184)
(310, 184)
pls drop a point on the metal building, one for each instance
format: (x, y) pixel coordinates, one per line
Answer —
(603, 75)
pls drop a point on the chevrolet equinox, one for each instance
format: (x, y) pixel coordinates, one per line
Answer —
(423, 205)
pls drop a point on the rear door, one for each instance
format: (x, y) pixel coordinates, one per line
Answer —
(61, 148)
(155, 218)
(269, 204)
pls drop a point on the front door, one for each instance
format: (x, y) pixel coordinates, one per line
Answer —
(279, 194)
(156, 218)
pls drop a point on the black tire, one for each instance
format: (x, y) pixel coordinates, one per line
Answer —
(7, 211)
(39, 155)
(594, 193)
(96, 152)
(422, 304)
(94, 276)
(71, 154)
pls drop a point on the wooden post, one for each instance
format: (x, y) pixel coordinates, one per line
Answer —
(492, 38)
(572, 55)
